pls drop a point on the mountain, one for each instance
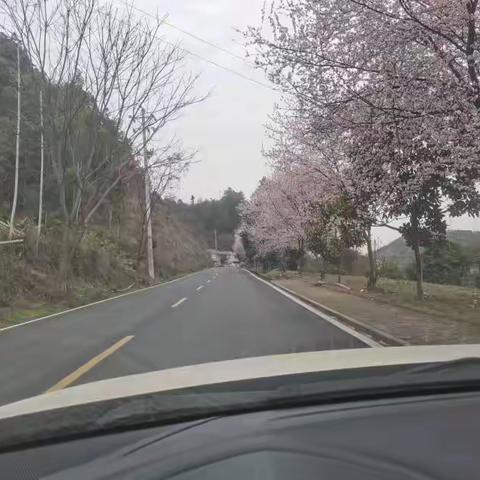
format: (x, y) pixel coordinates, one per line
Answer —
(397, 251)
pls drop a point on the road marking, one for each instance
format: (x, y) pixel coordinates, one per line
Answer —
(74, 376)
(175, 305)
(328, 318)
(100, 301)
(199, 288)
(208, 281)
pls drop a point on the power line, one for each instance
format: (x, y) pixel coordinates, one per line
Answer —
(208, 42)
(193, 54)
(190, 34)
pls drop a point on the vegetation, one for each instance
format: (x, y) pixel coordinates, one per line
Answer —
(212, 215)
(381, 111)
(88, 116)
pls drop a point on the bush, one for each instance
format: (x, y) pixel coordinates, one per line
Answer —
(8, 276)
(390, 269)
(99, 260)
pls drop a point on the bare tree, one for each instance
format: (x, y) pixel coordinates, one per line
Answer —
(17, 147)
(164, 167)
(30, 21)
(103, 67)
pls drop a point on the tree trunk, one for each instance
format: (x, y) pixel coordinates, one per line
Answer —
(148, 210)
(339, 271)
(110, 217)
(64, 262)
(40, 194)
(372, 274)
(17, 149)
(418, 270)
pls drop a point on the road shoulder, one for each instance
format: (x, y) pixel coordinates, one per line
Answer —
(400, 324)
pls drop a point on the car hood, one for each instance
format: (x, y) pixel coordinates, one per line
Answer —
(235, 371)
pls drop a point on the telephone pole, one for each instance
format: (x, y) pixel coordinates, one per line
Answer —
(148, 207)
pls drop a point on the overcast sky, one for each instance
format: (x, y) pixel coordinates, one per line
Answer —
(228, 128)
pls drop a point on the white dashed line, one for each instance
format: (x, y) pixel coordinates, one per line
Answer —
(175, 305)
(199, 288)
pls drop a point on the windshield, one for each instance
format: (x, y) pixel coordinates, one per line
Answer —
(200, 181)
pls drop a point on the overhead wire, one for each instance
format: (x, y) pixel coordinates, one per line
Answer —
(207, 42)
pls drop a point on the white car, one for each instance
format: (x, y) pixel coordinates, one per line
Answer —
(392, 413)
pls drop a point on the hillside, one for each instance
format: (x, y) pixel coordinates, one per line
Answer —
(397, 251)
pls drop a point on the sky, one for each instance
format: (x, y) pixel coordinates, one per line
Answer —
(227, 129)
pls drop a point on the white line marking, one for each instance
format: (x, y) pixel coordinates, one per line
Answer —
(208, 281)
(175, 305)
(341, 326)
(99, 302)
(199, 288)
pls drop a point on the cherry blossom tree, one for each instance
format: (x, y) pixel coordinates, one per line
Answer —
(396, 84)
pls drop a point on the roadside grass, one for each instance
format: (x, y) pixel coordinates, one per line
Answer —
(447, 301)
(23, 312)
(20, 315)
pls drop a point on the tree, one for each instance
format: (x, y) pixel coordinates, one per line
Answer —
(445, 263)
(104, 68)
(17, 147)
(396, 84)
(334, 230)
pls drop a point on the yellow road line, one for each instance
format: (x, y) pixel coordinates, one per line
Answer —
(74, 376)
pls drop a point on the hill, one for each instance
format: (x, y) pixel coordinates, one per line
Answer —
(397, 251)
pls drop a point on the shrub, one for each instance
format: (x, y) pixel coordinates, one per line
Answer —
(390, 269)
(8, 276)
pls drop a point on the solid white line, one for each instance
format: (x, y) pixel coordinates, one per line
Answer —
(328, 318)
(98, 303)
(199, 288)
(175, 305)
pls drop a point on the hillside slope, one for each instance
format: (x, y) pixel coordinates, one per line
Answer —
(398, 251)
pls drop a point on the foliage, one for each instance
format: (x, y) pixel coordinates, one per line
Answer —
(390, 269)
(382, 105)
(248, 247)
(445, 263)
(207, 216)
(8, 277)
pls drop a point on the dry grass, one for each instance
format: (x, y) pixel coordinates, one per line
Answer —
(447, 301)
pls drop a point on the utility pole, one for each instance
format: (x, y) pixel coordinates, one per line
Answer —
(148, 206)
(216, 240)
(17, 149)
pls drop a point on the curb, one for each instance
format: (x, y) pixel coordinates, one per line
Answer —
(378, 335)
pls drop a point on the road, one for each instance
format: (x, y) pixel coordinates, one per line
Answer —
(216, 314)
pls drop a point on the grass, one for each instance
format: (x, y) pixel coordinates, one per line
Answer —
(83, 296)
(278, 274)
(447, 301)
(21, 315)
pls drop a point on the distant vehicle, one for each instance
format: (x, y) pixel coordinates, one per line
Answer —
(389, 413)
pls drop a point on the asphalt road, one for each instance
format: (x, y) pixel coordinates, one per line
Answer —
(217, 314)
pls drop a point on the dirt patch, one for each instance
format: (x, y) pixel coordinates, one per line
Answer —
(411, 326)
